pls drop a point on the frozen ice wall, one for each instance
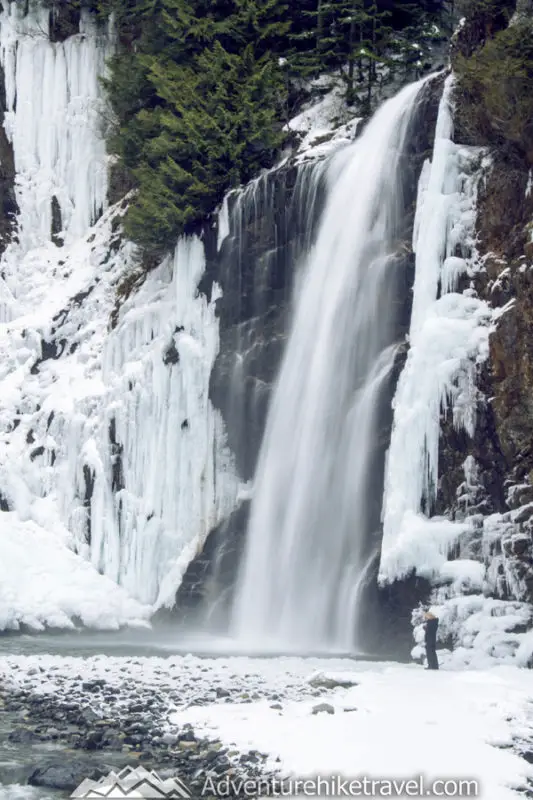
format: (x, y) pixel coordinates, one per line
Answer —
(161, 475)
(113, 464)
(109, 445)
(54, 122)
(448, 337)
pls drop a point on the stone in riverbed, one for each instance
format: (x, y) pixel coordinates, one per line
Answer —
(88, 716)
(22, 735)
(169, 738)
(66, 775)
(323, 708)
(322, 681)
(93, 686)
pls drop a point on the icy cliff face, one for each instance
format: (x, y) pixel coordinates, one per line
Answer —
(113, 466)
(448, 336)
(55, 123)
(440, 411)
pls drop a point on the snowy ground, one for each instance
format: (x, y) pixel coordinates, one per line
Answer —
(397, 722)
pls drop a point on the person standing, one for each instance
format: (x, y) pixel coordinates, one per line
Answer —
(431, 626)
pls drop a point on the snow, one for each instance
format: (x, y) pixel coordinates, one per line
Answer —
(43, 583)
(57, 420)
(482, 628)
(448, 338)
(178, 477)
(324, 125)
(16, 791)
(397, 722)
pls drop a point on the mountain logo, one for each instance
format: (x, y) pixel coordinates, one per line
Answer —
(132, 782)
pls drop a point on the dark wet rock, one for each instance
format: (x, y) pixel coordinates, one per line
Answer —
(94, 740)
(8, 203)
(22, 735)
(171, 357)
(323, 708)
(329, 682)
(187, 736)
(65, 775)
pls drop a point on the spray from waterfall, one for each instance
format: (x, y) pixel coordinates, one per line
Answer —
(318, 485)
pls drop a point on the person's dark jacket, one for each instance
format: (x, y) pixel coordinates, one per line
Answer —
(431, 633)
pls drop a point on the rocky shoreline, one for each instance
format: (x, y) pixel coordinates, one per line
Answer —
(80, 718)
(128, 734)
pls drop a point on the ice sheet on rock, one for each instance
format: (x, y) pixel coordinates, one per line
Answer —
(448, 338)
(54, 121)
(176, 477)
(98, 434)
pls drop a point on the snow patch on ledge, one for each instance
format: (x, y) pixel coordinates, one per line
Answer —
(325, 124)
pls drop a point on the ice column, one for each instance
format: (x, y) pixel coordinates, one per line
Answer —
(448, 337)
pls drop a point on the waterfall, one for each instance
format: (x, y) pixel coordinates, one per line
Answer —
(314, 507)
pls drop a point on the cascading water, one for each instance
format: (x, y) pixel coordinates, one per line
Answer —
(314, 508)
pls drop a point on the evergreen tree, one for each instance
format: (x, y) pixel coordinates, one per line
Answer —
(201, 89)
(213, 119)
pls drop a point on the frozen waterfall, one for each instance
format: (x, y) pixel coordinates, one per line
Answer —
(313, 512)
(113, 461)
(54, 121)
(447, 339)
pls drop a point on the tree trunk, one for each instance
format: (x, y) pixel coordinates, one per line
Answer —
(350, 94)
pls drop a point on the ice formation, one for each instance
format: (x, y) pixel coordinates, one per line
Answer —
(308, 539)
(448, 338)
(54, 121)
(113, 466)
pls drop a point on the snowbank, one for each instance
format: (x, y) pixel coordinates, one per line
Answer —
(398, 722)
(44, 584)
